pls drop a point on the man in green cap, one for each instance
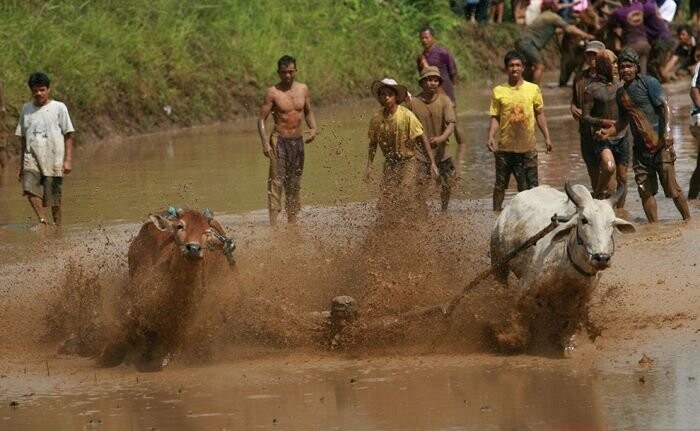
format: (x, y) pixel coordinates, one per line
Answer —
(641, 104)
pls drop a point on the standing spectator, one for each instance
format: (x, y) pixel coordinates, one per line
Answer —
(46, 132)
(434, 110)
(694, 189)
(581, 81)
(630, 18)
(288, 101)
(536, 35)
(435, 55)
(498, 8)
(642, 105)
(695, 12)
(660, 37)
(515, 107)
(613, 154)
(683, 60)
(395, 129)
(470, 10)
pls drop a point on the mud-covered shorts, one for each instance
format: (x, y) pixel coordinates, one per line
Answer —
(619, 147)
(648, 166)
(523, 166)
(446, 169)
(528, 49)
(47, 188)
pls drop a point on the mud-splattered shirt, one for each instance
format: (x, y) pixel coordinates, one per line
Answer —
(396, 135)
(44, 128)
(515, 107)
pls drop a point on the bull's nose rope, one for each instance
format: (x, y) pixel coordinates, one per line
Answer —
(574, 264)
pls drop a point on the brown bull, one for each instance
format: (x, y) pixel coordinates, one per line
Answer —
(170, 260)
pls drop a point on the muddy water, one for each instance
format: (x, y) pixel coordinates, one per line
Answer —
(431, 379)
(434, 392)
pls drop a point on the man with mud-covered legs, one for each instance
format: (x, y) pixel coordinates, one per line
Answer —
(641, 104)
(436, 113)
(46, 131)
(396, 130)
(288, 101)
(694, 189)
(515, 108)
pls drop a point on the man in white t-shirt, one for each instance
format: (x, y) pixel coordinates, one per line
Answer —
(46, 131)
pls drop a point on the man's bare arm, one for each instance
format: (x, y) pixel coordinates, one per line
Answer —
(429, 151)
(436, 140)
(493, 128)
(666, 115)
(695, 95)
(370, 158)
(541, 120)
(310, 117)
(68, 154)
(23, 148)
(264, 113)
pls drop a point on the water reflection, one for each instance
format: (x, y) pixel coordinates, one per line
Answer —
(433, 392)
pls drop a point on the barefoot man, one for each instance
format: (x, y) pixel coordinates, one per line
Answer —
(287, 101)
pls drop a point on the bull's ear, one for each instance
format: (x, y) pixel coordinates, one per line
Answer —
(563, 234)
(624, 226)
(161, 223)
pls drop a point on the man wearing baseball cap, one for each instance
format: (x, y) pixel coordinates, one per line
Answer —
(435, 111)
(396, 130)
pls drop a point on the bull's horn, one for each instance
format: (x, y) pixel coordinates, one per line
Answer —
(575, 198)
(618, 194)
(208, 213)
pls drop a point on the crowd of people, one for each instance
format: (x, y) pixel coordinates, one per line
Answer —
(619, 104)
(622, 113)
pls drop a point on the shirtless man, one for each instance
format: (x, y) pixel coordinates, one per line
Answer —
(287, 101)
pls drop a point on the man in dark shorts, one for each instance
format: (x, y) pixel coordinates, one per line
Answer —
(515, 108)
(642, 105)
(288, 101)
(684, 58)
(600, 103)
(46, 131)
(435, 112)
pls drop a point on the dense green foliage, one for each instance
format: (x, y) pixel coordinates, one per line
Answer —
(118, 63)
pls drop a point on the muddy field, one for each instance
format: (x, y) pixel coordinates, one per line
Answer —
(256, 353)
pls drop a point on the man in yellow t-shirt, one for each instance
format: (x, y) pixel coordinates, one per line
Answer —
(515, 108)
(395, 129)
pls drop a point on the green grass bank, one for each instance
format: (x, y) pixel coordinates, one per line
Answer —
(118, 63)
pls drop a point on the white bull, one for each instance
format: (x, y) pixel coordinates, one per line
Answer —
(558, 274)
